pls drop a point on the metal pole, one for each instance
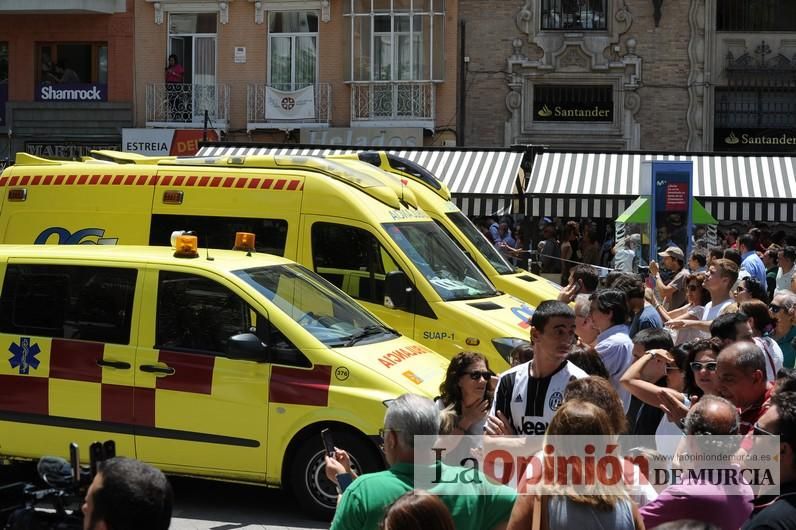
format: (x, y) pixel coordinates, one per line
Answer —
(204, 132)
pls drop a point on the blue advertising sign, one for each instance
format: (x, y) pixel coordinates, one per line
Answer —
(3, 100)
(84, 92)
(672, 198)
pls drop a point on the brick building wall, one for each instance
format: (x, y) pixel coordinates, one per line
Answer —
(663, 51)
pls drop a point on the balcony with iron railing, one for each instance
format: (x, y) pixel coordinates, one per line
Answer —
(393, 104)
(183, 105)
(287, 106)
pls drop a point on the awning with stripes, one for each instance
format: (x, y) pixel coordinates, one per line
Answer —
(482, 181)
(740, 187)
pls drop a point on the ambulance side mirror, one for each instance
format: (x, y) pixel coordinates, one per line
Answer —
(247, 347)
(396, 290)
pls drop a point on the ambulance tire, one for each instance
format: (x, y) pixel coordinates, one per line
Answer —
(313, 491)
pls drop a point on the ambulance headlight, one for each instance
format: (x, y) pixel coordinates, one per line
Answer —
(505, 345)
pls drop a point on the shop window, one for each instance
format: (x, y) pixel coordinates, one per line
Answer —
(759, 107)
(396, 40)
(72, 63)
(574, 14)
(756, 15)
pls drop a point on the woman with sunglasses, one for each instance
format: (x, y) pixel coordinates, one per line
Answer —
(700, 379)
(762, 327)
(674, 365)
(749, 289)
(696, 299)
(466, 391)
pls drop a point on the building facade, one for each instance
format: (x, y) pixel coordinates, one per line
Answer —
(695, 75)
(66, 75)
(367, 72)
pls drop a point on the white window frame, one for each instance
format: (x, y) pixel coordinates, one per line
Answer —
(436, 8)
(293, 38)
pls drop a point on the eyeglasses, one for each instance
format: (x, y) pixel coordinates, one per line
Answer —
(670, 368)
(774, 308)
(757, 429)
(740, 289)
(384, 431)
(709, 366)
(475, 375)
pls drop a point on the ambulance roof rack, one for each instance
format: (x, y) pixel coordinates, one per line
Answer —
(123, 157)
(407, 168)
(26, 159)
(358, 179)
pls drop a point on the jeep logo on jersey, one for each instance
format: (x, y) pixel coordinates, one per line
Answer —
(85, 236)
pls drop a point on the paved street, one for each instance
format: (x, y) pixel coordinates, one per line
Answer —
(203, 504)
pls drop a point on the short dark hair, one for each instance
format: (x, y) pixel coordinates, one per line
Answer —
(133, 495)
(786, 409)
(631, 284)
(748, 240)
(756, 289)
(716, 252)
(723, 327)
(748, 357)
(654, 339)
(700, 258)
(614, 300)
(588, 275)
(733, 255)
(789, 252)
(588, 360)
(550, 309)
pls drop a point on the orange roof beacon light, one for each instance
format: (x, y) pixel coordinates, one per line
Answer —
(185, 244)
(244, 241)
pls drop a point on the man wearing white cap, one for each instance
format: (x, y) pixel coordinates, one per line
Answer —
(673, 259)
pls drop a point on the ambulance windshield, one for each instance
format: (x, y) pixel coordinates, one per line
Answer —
(486, 248)
(446, 267)
(319, 307)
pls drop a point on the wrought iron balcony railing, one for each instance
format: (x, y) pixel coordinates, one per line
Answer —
(410, 102)
(184, 104)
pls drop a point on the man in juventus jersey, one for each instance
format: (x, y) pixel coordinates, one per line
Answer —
(528, 395)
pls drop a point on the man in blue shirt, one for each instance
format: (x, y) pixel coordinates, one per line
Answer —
(751, 262)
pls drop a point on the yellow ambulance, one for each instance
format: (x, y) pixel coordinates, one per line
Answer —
(216, 363)
(365, 234)
(435, 199)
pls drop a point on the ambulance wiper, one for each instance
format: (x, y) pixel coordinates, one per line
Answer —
(367, 331)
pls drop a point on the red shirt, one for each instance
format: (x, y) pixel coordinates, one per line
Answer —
(174, 73)
(751, 414)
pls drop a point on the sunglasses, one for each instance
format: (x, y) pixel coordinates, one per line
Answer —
(757, 429)
(475, 375)
(698, 367)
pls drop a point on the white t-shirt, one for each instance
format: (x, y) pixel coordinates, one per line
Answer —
(712, 312)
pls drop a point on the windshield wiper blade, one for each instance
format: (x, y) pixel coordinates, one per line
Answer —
(367, 331)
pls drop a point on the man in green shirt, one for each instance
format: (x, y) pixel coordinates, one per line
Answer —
(473, 504)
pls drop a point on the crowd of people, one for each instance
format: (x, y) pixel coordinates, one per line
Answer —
(704, 346)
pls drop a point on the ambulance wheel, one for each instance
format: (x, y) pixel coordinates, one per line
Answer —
(314, 492)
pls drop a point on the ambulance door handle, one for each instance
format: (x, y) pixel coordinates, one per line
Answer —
(121, 365)
(152, 369)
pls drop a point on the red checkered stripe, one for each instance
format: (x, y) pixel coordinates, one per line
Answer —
(186, 181)
(77, 361)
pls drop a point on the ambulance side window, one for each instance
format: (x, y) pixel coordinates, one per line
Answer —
(197, 314)
(352, 259)
(68, 302)
(219, 232)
